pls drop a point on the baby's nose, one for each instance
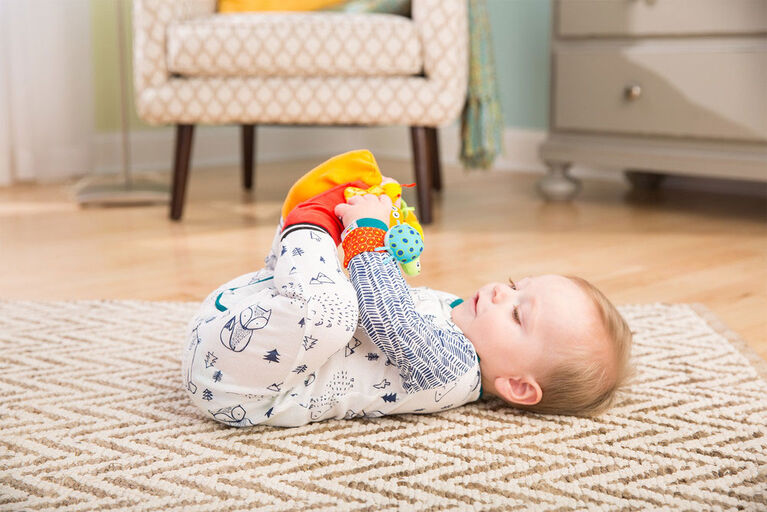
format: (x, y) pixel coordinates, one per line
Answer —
(499, 293)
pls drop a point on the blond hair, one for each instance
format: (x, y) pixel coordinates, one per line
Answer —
(580, 385)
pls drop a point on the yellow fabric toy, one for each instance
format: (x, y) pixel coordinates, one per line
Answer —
(359, 165)
(274, 5)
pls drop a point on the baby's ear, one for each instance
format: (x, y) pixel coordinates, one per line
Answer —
(519, 390)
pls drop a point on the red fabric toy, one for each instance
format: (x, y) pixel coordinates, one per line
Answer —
(318, 211)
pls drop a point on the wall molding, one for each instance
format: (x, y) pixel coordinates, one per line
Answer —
(152, 150)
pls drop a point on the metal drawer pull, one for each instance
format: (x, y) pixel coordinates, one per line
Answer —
(632, 92)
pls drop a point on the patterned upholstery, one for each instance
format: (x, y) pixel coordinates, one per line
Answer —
(298, 44)
(165, 94)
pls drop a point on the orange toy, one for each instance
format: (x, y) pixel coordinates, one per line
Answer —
(359, 165)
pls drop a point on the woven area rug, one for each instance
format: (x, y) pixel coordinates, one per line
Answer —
(93, 417)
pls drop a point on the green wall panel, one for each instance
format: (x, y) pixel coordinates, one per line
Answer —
(521, 37)
(106, 65)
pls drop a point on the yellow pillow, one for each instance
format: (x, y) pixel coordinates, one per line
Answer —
(274, 5)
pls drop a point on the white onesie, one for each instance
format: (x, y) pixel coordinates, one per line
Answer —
(298, 341)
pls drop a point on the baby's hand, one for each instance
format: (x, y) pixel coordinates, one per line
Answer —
(368, 205)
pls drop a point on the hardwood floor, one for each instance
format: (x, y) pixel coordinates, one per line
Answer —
(668, 246)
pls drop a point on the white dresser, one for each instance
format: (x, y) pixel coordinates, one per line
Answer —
(655, 87)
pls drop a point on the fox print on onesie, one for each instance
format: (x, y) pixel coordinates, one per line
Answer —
(243, 355)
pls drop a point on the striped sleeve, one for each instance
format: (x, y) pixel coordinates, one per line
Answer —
(426, 355)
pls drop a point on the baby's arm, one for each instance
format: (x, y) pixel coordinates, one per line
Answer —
(427, 356)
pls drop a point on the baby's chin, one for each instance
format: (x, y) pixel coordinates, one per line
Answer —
(459, 316)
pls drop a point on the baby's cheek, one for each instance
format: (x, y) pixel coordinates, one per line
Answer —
(501, 335)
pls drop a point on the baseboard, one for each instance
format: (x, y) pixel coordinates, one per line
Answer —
(152, 150)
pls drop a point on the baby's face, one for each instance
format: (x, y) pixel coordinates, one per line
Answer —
(518, 330)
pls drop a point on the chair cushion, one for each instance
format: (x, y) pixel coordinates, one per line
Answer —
(294, 44)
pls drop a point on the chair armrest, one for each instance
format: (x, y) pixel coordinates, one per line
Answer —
(443, 27)
(150, 21)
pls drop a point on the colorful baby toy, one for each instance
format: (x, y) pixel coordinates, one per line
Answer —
(404, 239)
(405, 245)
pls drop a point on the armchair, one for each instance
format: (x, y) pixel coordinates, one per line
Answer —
(192, 66)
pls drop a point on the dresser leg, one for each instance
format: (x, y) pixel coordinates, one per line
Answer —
(558, 185)
(644, 180)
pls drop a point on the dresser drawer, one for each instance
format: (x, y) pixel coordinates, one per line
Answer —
(580, 18)
(677, 90)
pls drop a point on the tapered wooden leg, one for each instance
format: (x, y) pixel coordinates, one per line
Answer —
(184, 133)
(422, 167)
(248, 149)
(435, 164)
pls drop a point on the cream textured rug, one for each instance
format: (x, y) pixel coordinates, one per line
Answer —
(93, 417)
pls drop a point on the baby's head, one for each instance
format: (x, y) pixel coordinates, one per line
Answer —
(550, 344)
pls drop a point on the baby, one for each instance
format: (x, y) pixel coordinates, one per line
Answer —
(298, 341)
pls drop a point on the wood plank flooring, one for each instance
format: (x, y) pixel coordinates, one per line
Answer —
(668, 246)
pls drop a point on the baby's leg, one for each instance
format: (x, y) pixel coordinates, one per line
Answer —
(309, 274)
(266, 342)
(271, 259)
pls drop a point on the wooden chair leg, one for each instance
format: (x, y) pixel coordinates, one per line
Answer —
(422, 167)
(184, 133)
(248, 150)
(435, 164)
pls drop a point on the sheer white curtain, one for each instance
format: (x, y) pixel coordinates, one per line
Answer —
(46, 90)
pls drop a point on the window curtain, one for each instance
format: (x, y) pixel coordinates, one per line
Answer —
(46, 90)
